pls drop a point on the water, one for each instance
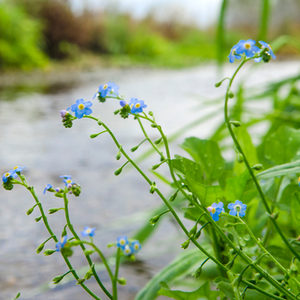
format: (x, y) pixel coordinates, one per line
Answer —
(33, 136)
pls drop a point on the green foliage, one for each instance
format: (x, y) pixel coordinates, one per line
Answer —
(20, 39)
(180, 266)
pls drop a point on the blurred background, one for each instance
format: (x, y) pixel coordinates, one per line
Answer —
(167, 52)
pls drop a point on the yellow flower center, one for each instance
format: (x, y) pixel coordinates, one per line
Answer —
(136, 246)
(89, 230)
(7, 174)
(62, 239)
(16, 167)
(247, 46)
(68, 181)
(213, 210)
(105, 86)
(237, 207)
(127, 250)
(81, 106)
(122, 242)
(137, 105)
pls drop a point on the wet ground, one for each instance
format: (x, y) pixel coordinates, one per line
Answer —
(32, 135)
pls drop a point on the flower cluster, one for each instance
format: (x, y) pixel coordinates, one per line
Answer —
(60, 245)
(7, 177)
(128, 247)
(235, 209)
(249, 49)
(72, 187)
(109, 89)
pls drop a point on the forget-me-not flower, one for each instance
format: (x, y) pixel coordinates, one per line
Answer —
(67, 179)
(81, 108)
(215, 210)
(135, 246)
(9, 175)
(237, 208)
(47, 188)
(88, 231)
(62, 243)
(122, 241)
(136, 105)
(108, 89)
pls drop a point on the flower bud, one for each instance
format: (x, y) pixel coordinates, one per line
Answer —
(154, 219)
(88, 274)
(122, 281)
(38, 219)
(185, 244)
(230, 94)
(30, 210)
(118, 172)
(58, 279)
(54, 210)
(258, 167)
(48, 252)
(235, 123)
(89, 252)
(76, 189)
(40, 248)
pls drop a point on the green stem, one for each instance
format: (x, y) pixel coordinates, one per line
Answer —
(45, 220)
(102, 257)
(148, 139)
(83, 247)
(115, 281)
(245, 257)
(239, 148)
(260, 245)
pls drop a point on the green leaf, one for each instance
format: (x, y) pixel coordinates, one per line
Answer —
(281, 170)
(290, 193)
(208, 155)
(248, 148)
(281, 146)
(203, 292)
(190, 169)
(180, 266)
(226, 288)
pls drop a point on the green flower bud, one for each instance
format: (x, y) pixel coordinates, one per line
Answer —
(30, 210)
(118, 156)
(49, 252)
(8, 185)
(89, 252)
(122, 281)
(235, 123)
(18, 296)
(158, 141)
(185, 244)
(154, 220)
(230, 94)
(76, 189)
(118, 172)
(258, 167)
(38, 219)
(134, 148)
(58, 279)
(54, 210)
(88, 274)
(153, 188)
(40, 248)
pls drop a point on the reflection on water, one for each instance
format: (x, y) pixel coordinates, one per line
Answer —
(32, 135)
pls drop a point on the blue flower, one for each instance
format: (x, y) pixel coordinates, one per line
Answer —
(122, 241)
(135, 246)
(215, 210)
(18, 169)
(9, 175)
(237, 208)
(123, 103)
(136, 105)
(47, 188)
(234, 53)
(108, 89)
(81, 108)
(127, 250)
(62, 243)
(67, 179)
(88, 231)
(247, 47)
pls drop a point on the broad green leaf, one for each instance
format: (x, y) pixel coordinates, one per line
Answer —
(180, 266)
(226, 288)
(207, 154)
(248, 148)
(189, 168)
(290, 193)
(282, 146)
(281, 170)
(203, 292)
(236, 186)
